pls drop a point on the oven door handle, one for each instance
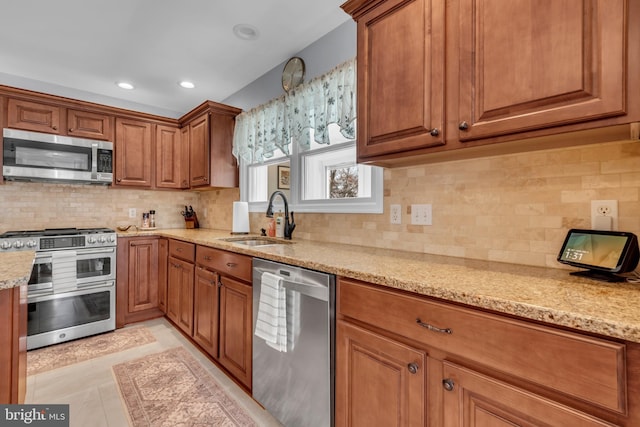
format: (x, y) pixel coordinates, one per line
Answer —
(109, 250)
(92, 285)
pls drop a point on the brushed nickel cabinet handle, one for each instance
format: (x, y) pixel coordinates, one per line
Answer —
(207, 258)
(434, 132)
(463, 125)
(231, 264)
(434, 328)
(413, 368)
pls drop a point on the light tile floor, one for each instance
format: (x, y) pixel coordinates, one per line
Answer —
(91, 391)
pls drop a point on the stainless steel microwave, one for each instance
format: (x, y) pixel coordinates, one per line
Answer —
(35, 156)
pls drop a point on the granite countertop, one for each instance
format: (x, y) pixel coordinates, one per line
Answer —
(544, 294)
(15, 268)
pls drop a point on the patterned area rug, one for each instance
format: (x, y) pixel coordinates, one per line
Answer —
(172, 389)
(68, 353)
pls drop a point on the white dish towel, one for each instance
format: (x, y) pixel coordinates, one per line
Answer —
(271, 324)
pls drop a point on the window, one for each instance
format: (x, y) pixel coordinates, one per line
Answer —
(325, 178)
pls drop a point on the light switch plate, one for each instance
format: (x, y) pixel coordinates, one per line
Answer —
(421, 214)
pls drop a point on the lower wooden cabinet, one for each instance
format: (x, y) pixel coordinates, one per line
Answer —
(236, 301)
(380, 382)
(212, 303)
(403, 359)
(476, 400)
(137, 270)
(13, 345)
(180, 294)
(206, 310)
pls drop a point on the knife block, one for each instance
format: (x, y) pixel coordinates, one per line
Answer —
(192, 221)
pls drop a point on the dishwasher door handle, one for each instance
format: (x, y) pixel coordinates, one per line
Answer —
(313, 291)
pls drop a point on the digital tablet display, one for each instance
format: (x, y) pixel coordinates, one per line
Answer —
(601, 250)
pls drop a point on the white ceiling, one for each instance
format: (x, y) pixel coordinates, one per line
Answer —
(88, 45)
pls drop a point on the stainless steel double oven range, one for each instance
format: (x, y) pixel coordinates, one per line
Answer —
(71, 291)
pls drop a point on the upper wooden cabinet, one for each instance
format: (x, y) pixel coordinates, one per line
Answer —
(50, 118)
(172, 158)
(437, 76)
(133, 153)
(211, 162)
(86, 124)
(400, 77)
(33, 116)
(199, 151)
(528, 66)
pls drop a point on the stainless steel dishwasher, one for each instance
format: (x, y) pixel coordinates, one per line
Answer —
(294, 381)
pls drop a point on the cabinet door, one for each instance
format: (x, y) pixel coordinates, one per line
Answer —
(89, 125)
(527, 64)
(33, 116)
(235, 328)
(199, 151)
(400, 77)
(143, 275)
(171, 158)
(133, 152)
(473, 399)
(163, 251)
(180, 294)
(205, 310)
(379, 382)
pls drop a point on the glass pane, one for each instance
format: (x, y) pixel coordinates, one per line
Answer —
(265, 179)
(65, 312)
(93, 267)
(342, 182)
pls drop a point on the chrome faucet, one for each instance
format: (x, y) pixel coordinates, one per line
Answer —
(288, 226)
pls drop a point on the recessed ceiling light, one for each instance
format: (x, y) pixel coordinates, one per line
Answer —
(186, 84)
(125, 85)
(245, 32)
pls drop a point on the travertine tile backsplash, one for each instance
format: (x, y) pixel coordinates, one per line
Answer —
(514, 208)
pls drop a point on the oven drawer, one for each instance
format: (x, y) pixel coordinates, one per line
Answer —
(182, 250)
(567, 362)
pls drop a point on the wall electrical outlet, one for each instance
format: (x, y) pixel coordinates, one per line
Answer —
(396, 214)
(421, 214)
(604, 214)
(132, 213)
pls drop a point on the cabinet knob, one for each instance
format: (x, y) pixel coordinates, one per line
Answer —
(413, 368)
(119, 180)
(54, 127)
(70, 129)
(207, 258)
(434, 132)
(463, 125)
(231, 264)
(448, 384)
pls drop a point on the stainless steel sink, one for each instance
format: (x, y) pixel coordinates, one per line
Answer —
(256, 241)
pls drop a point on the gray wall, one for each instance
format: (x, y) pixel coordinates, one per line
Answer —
(319, 57)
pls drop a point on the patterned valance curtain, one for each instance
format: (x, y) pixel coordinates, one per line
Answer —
(328, 99)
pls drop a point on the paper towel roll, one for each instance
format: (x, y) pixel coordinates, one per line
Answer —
(240, 217)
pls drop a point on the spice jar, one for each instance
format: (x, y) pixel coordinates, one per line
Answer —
(145, 220)
(152, 219)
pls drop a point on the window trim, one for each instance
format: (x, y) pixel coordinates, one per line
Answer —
(373, 204)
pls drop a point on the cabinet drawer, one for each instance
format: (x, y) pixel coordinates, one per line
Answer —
(182, 250)
(587, 368)
(225, 262)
